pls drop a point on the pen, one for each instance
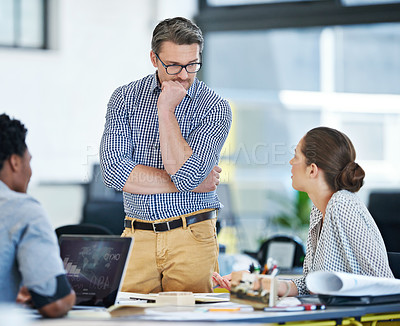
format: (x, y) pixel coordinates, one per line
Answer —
(307, 307)
(287, 308)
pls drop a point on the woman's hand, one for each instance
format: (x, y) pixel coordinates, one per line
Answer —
(227, 281)
(222, 281)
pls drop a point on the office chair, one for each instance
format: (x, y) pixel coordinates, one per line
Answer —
(82, 229)
(96, 190)
(109, 214)
(394, 263)
(385, 209)
(288, 251)
(103, 206)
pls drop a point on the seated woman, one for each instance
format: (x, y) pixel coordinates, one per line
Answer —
(342, 236)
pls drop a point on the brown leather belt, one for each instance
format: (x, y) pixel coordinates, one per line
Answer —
(170, 225)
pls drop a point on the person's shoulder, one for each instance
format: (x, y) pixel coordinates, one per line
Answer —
(345, 202)
(13, 197)
(345, 196)
(132, 87)
(205, 91)
(21, 204)
(208, 101)
(142, 82)
(19, 211)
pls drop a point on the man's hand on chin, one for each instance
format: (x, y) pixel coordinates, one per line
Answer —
(172, 93)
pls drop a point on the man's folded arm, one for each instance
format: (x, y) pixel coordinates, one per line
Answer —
(206, 142)
(147, 180)
(122, 173)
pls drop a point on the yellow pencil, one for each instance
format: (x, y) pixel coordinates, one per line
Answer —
(223, 309)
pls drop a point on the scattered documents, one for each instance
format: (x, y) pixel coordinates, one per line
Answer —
(129, 303)
(121, 310)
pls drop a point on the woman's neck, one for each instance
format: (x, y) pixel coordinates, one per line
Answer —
(320, 198)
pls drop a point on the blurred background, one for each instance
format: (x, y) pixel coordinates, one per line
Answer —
(284, 66)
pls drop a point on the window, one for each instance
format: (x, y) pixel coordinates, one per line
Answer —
(282, 81)
(23, 23)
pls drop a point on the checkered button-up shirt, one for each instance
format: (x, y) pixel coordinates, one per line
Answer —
(349, 241)
(131, 137)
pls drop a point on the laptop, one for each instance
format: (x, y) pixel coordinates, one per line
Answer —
(95, 266)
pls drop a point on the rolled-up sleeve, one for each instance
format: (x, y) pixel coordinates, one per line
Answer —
(116, 148)
(206, 142)
(301, 285)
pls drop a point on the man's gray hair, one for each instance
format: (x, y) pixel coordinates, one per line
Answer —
(178, 30)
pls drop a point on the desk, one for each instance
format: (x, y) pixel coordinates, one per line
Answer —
(346, 316)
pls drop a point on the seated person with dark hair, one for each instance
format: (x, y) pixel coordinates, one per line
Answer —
(29, 256)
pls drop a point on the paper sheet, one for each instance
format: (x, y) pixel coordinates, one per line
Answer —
(345, 284)
(130, 297)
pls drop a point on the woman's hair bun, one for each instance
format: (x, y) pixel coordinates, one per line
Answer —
(351, 177)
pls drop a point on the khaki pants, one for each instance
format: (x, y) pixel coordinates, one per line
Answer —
(182, 259)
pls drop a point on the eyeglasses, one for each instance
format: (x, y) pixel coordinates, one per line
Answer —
(190, 68)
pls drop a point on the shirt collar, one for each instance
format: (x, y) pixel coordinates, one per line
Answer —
(155, 85)
(315, 217)
(3, 186)
(192, 89)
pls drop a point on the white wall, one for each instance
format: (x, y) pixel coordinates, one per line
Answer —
(61, 94)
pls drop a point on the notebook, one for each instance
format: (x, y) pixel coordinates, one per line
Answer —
(95, 266)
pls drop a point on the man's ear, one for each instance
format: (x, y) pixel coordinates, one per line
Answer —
(153, 59)
(15, 162)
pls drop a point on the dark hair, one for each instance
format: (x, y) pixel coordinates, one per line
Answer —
(178, 30)
(333, 152)
(12, 138)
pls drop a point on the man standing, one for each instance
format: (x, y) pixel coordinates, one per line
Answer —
(161, 146)
(29, 253)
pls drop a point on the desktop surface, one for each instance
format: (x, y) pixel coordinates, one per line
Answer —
(331, 316)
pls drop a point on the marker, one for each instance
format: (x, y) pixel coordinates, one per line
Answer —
(274, 272)
(251, 268)
(314, 306)
(265, 270)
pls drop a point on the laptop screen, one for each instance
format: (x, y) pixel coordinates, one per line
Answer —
(95, 266)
